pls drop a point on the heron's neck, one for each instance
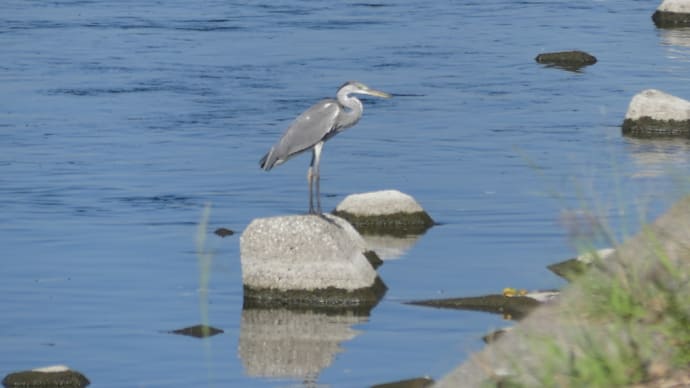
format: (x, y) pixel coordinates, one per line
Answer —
(351, 115)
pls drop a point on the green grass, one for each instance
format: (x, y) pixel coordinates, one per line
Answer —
(627, 329)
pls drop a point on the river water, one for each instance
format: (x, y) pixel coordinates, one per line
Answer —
(120, 121)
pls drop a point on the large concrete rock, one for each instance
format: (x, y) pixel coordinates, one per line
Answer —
(653, 113)
(672, 13)
(384, 212)
(307, 260)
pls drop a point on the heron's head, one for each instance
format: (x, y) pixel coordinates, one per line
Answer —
(354, 87)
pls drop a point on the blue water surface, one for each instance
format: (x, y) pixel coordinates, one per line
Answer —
(120, 121)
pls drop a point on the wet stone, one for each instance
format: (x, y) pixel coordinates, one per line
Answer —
(647, 127)
(513, 307)
(323, 299)
(223, 232)
(373, 259)
(198, 331)
(568, 60)
(418, 382)
(52, 376)
(387, 212)
(495, 335)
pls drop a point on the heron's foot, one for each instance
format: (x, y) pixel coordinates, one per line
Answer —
(315, 210)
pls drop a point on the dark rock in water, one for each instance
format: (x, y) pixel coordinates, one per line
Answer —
(514, 307)
(325, 299)
(373, 259)
(649, 128)
(387, 212)
(572, 268)
(198, 331)
(664, 19)
(223, 232)
(568, 269)
(53, 376)
(419, 382)
(653, 114)
(399, 224)
(494, 335)
(568, 60)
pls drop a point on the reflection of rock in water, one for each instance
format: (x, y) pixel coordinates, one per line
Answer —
(389, 247)
(292, 344)
(674, 40)
(657, 156)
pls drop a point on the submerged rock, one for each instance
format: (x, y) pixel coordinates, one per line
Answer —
(495, 335)
(512, 307)
(672, 13)
(653, 113)
(198, 331)
(384, 212)
(307, 260)
(571, 268)
(223, 232)
(418, 382)
(568, 60)
(51, 376)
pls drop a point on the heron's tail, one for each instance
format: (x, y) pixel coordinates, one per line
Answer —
(267, 162)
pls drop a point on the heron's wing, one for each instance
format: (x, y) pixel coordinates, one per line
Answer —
(308, 129)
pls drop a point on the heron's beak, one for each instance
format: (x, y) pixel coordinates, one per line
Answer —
(378, 93)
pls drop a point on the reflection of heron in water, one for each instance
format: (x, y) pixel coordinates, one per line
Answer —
(317, 124)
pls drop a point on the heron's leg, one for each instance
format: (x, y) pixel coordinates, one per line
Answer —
(318, 193)
(310, 179)
(317, 175)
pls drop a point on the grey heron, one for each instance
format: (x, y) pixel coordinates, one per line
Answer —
(312, 128)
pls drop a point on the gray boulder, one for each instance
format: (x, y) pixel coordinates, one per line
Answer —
(384, 212)
(653, 113)
(306, 260)
(672, 13)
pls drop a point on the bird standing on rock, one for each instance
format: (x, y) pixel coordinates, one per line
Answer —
(312, 128)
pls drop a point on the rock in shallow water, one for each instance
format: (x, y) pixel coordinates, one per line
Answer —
(384, 212)
(198, 331)
(51, 376)
(569, 60)
(653, 113)
(672, 13)
(307, 259)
